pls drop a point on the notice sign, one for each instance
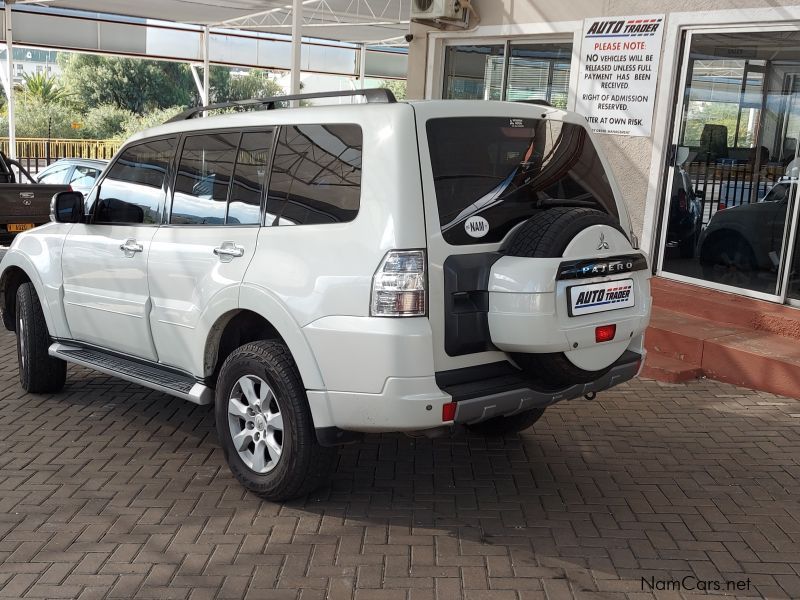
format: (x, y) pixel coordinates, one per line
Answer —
(618, 73)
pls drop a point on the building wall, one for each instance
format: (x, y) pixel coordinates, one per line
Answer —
(630, 156)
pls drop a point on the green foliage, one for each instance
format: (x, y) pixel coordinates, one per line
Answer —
(396, 86)
(255, 84)
(136, 85)
(136, 123)
(35, 118)
(105, 122)
(42, 87)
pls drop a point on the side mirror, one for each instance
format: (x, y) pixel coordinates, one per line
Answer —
(66, 207)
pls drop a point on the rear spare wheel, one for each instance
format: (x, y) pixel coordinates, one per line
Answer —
(549, 234)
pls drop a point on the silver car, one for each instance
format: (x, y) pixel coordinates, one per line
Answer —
(79, 173)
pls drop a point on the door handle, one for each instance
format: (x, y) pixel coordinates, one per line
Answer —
(227, 251)
(131, 247)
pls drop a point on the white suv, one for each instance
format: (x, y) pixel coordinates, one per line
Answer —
(322, 272)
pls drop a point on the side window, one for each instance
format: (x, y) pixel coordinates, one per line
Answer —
(204, 175)
(55, 175)
(244, 207)
(133, 189)
(316, 175)
(84, 176)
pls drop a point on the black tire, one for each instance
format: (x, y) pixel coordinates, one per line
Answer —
(39, 373)
(303, 464)
(500, 426)
(547, 235)
(687, 247)
(729, 260)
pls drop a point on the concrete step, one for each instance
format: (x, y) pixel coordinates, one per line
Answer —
(728, 309)
(682, 347)
(682, 336)
(757, 360)
(670, 370)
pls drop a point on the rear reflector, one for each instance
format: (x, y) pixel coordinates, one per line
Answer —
(721, 206)
(448, 411)
(605, 333)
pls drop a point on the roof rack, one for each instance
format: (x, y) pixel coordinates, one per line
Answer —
(372, 95)
(536, 101)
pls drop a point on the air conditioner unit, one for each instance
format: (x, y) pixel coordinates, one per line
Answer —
(434, 10)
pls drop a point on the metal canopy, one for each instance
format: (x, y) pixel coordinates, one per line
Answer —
(358, 21)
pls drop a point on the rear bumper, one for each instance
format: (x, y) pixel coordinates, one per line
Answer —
(513, 394)
(480, 393)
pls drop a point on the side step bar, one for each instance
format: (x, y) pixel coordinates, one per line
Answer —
(147, 375)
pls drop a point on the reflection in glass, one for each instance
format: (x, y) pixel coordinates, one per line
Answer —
(540, 72)
(248, 181)
(316, 175)
(132, 192)
(734, 175)
(473, 72)
(204, 174)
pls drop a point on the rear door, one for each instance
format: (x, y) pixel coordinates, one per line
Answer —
(198, 259)
(486, 168)
(106, 295)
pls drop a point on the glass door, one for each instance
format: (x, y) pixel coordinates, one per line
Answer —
(730, 220)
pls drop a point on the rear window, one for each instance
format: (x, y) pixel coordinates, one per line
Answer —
(506, 169)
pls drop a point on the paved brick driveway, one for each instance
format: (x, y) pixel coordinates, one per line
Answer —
(108, 489)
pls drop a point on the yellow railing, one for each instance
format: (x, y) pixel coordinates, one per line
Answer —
(62, 148)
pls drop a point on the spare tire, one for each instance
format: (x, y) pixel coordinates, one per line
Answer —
(547, 235)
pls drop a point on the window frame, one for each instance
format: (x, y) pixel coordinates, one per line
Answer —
(240, 131)
(165, 186)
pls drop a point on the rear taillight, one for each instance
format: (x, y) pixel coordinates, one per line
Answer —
(682, 203)
(605, 333)
(399, 285)
(721, 206)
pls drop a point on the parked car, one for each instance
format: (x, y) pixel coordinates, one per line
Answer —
(685, 215)
(742, 240)
(24, 203)
(326, 271)
(78, 173)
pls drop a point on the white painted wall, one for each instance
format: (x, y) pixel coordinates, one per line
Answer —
(638, 162)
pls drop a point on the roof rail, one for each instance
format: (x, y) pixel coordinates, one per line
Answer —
(372, 95)
(535, 101)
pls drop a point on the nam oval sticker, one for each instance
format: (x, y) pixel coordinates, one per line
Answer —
(476, 226)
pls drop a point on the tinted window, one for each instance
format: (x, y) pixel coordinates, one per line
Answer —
(316, 175)
(506, 169)
(132, 191)
(84, 176)
(248, 179)
(54, 175)
(204, 175)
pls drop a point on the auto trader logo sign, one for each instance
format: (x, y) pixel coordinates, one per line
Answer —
(618, 73)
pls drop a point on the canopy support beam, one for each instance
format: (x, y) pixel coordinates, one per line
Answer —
(297, 47)
(9, 87)
(206, 91)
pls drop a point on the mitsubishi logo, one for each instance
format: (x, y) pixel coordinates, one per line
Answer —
(603, 245)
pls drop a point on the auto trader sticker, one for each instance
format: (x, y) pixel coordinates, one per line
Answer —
(599, 297)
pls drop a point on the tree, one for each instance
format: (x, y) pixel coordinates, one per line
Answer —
(396, 86)
(38, 119)
(43, 87)
(105, 122)
(255, 84)
(132, 84)
(136, 123)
